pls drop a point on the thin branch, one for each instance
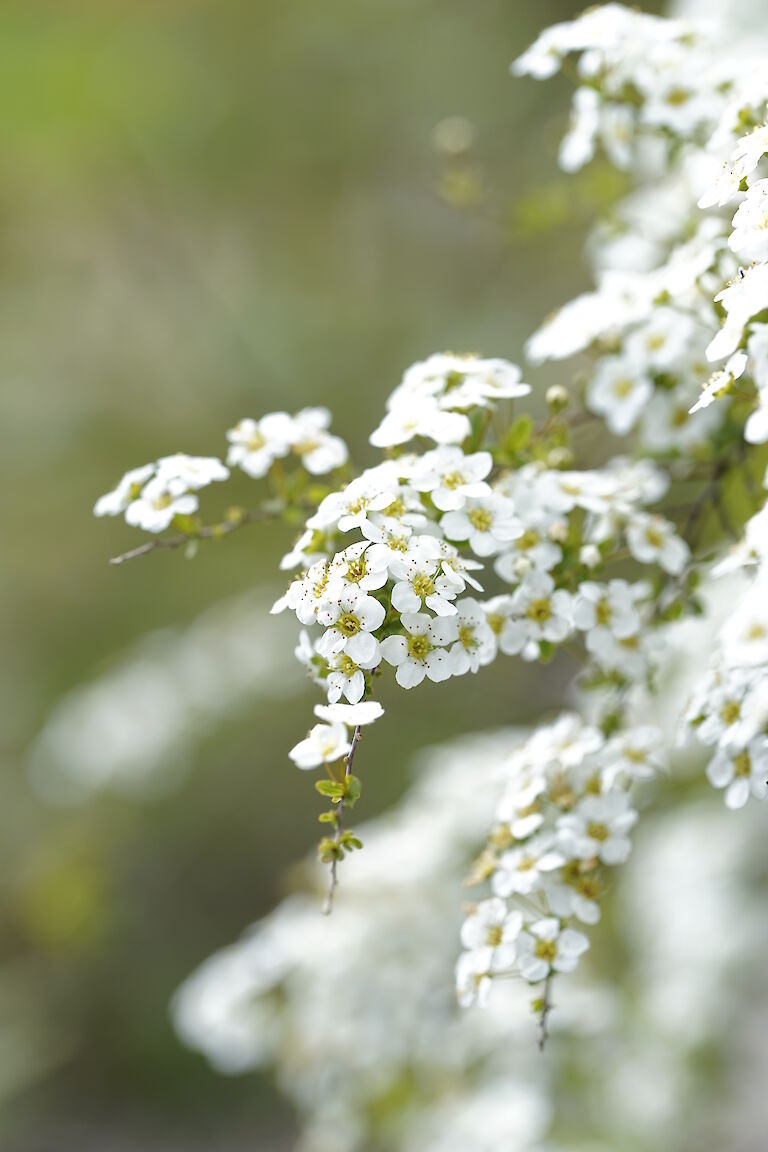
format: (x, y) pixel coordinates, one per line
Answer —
(334, 879)
(546, 1008)
(207, 532)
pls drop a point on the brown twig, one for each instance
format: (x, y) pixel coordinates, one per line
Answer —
(207, 532)
(546, 1008)
(334, 879)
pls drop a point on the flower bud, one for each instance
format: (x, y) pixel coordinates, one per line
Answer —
(557, 398)
(590, 556)
(560, 458)
(522, 566)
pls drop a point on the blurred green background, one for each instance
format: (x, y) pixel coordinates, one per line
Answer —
(210, 209)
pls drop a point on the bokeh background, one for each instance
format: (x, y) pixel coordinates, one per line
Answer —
(211, 209)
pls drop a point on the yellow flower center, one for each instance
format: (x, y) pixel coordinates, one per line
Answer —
(467, 636)
(742, 764)
(423, 585)
(481, 519)
(348, 624)
(539, 610)
(597, 831)
(419, 647)
(546, 950)
(603, 612)
(529, 539)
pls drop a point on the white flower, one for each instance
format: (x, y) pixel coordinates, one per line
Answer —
(450, 476)
(520, 870)
(115, 502)
(353, 715)
(390, 545)
(324, 744)
(307, 595)
(487, 522)
(256, 444)
(741, 773)
(610, 606)
(350, 619)
(311, 546)
(632, 656)
(503, 624)
(745, 633)
(371, 492)
(423, 651)
(720, 382)
(460, 382)
(543, 947)
(193, 471)
(619, 391)
(632, 755)
(663, 341)
(564, 744)
(417, 583)
(744, 298)
(476, 645)
(575, 892)
(320, 452)
(492, 925)
(421, 417)
(598, 828)
(749, 238)
(361, 566)
(532, 549)
(346, 677)
(542, 613)
(473, 977)
(160, 500)
(742, 163)
(654, 540)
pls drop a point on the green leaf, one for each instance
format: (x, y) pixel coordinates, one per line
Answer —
(519, 434)
(353, 790)
(330, 788)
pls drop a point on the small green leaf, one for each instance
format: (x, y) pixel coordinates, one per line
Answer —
(519, 434)
(330, 788)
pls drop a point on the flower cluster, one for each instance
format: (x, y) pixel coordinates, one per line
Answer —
(158, 495)
(728, 711)
(255, 445)
(152, 496)
(438, 396)
(388, 1062)
(477, 534)
(563, 819)
(679, 292)
(662, 99)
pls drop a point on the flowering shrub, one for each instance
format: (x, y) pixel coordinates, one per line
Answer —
(483, 533)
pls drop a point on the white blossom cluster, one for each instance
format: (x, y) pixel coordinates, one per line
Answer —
(564, 817)
(255, 445)
(687, 113)
(393, 561)
(663, 99)
(151, 497)
(728, 711)
(355, 1020)
(476, 535)
(438, 396)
